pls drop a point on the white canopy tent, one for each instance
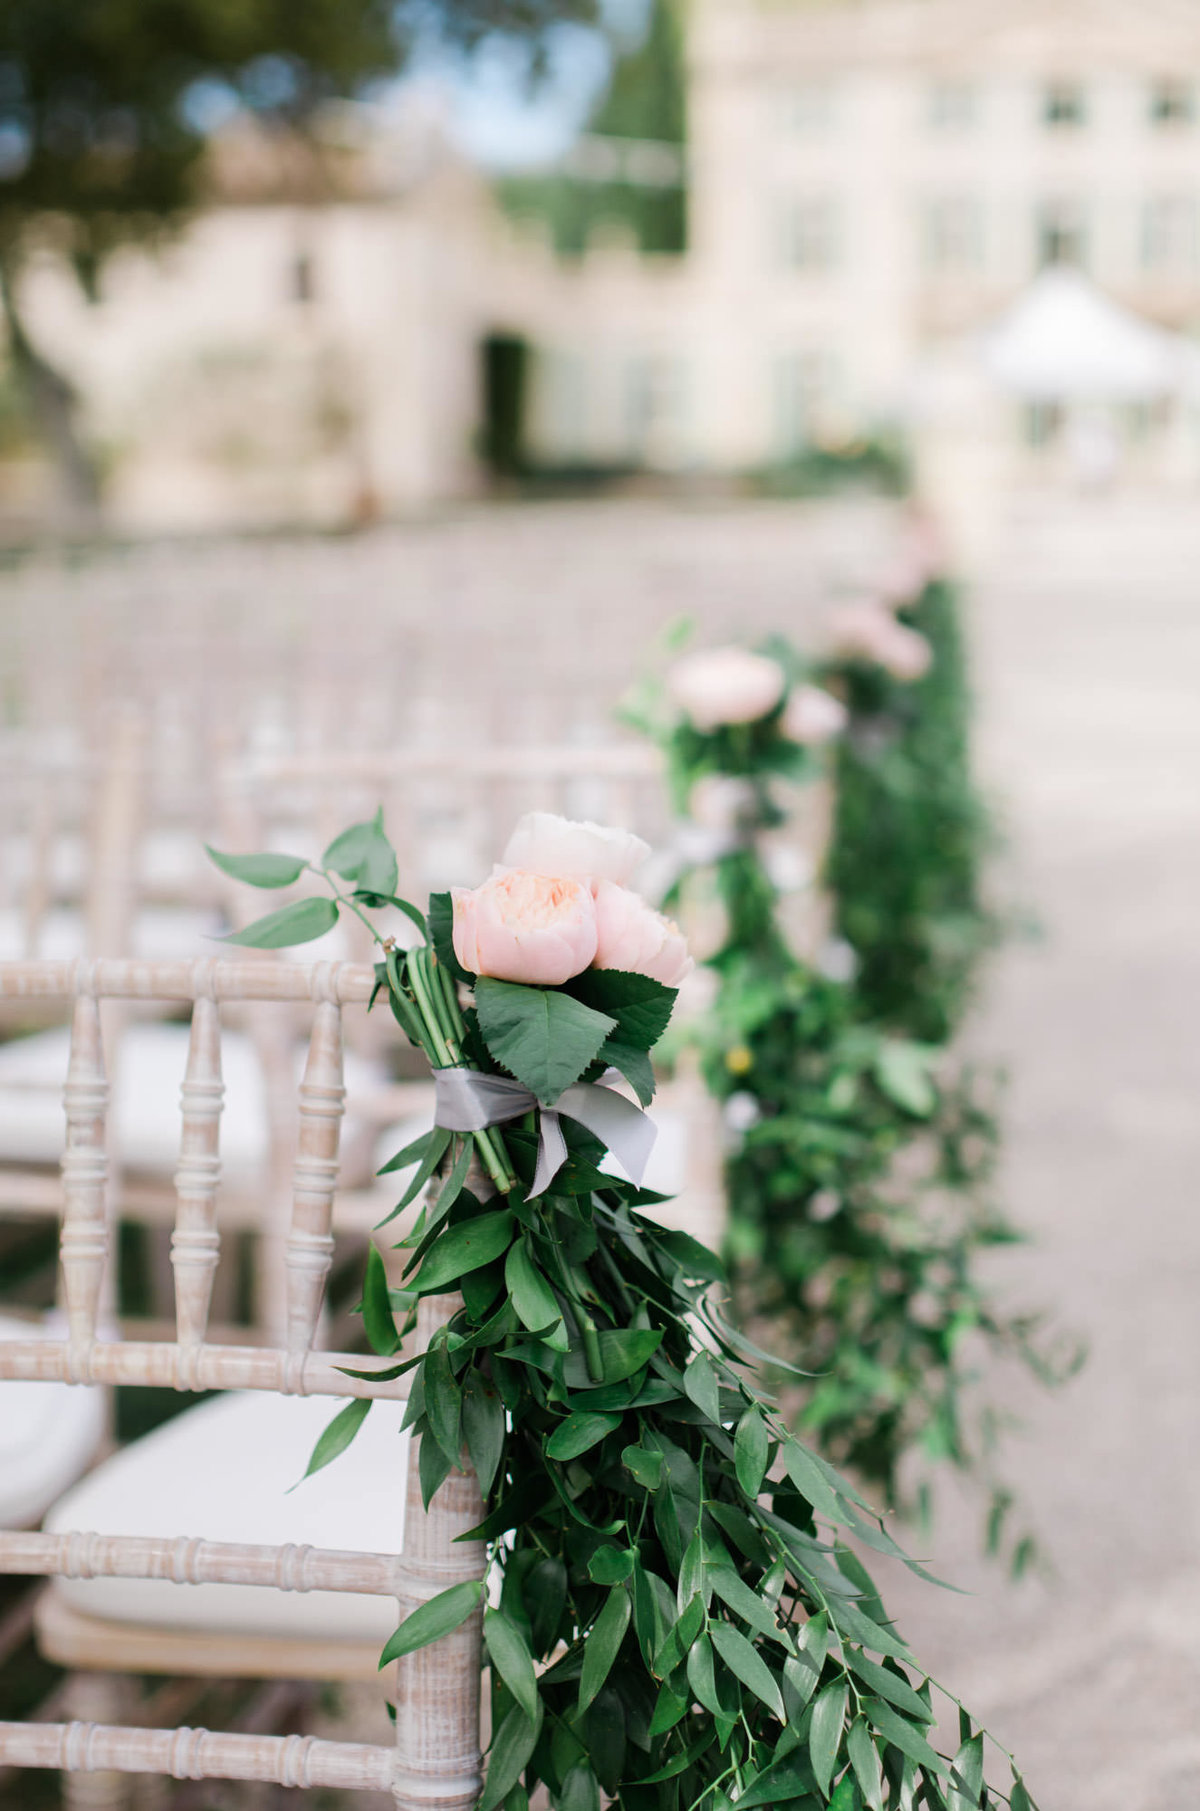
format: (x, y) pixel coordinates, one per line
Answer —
(1065, 341)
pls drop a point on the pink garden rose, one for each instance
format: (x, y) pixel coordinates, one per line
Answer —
(813, 715)
(725, 685)
(631, 935)
(866, 631)
(525, 927)
(908, 655)
(543, 843)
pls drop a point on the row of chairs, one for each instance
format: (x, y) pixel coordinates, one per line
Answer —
(182, 1553)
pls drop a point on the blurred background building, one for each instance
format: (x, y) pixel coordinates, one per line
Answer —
(778, 243)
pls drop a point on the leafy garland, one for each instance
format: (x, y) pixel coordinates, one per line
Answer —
(911, 831)
(860, 1161)
(682, 1621)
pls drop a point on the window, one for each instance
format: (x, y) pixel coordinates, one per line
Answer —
(951, 106)
(802, 386)
(1062, 104)
(1172, 102)
(808, 234)
(1169, 234)
(805, 107)
(952, 235)
(1061, 233)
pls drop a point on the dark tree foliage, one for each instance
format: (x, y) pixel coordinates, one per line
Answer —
(646, 99)
(96, 143)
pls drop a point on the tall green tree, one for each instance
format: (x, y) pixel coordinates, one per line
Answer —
(99, 145)
(646, 99)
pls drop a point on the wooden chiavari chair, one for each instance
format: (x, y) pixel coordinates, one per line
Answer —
(435, 1759)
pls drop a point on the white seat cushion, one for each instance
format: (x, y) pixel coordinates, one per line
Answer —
(146, 1110)
(223, 1471)
(49, 1433)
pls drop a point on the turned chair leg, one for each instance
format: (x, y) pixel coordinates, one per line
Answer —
(97, 1698)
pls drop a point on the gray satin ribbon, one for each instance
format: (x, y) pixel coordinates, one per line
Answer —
(470, 1102)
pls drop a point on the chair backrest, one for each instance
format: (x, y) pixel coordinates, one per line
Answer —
(436, 1759)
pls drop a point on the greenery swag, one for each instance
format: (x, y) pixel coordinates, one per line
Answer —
(683, 1620)
(861, 1151)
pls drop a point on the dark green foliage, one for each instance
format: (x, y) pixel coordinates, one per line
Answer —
(859, 1178)
(873, 466)
(647, 99)
(675, 1561)
(910, 835)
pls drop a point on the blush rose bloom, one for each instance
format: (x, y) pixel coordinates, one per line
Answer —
(631, 935)
(866, 631)
(813, 715)
(543, 843)
(525, 927)
(725, 685)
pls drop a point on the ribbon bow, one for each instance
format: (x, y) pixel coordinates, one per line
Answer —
(470, 1102)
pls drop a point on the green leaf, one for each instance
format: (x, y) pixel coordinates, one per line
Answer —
(338, 1434)
(645, 1466)
(532, 1297)
(441, 935)
(902, 1070)
(512, 1746)
(301, 922)
(901, 1734)
(603, 1643)
(510, 1656)
(363, 854)
(635, 1066)
(443, 1401)
(669, 1708)
(610, 1565)
(434, 1620)
(578, 1434)
(640, 1007)
(809, 1480)
(440, 1141)
(378, 1321)
(546, 1595)
(468, 1246)
(825, 1731)
(695, 1261)
(433, 1467)
(735, 1592)
(864, 1759)
(886, 1684)
(546, 1039)
(260, 870)
(414, 1152)
(484, 1428)
(846, 1794)
(745, 1661)
(700, 1383)
(751, 1451)
(1019, 1799)
(580, 1790)
(623, 1352)
(783, 1781)
(966, 1775)
(701, 1676)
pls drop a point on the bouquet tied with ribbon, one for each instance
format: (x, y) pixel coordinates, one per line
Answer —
(682, 1619)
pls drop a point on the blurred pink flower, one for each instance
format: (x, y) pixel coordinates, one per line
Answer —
(813, 715)
(867, 631)
(544, 843)
(631, 935)
(525, 927)
(725, 685)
